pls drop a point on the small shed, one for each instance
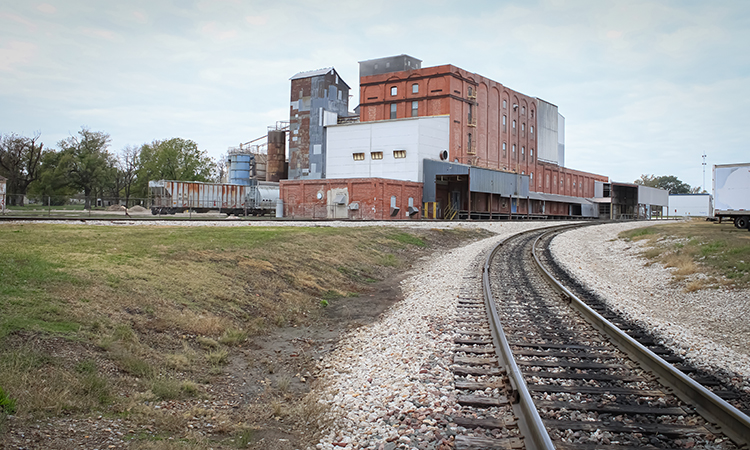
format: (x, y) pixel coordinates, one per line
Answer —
(2, 193)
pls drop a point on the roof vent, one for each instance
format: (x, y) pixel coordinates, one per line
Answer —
(443, 155)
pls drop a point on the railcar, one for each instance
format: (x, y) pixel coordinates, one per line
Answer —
(171, 197)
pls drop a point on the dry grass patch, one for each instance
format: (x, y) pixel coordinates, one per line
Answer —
(719, 251)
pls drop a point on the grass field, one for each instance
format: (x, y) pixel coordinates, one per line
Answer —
(720, 251)
(95, 319)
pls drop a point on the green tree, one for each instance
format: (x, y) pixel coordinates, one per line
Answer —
(173, 159)
(52, 185)
(667, 182)
(19, 163)
(86, 161)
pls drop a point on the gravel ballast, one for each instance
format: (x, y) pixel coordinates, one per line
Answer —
(710, 327)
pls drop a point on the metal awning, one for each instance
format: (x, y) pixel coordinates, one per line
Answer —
(558, 198)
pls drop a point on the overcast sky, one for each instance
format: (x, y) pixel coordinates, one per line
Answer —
(645, 86)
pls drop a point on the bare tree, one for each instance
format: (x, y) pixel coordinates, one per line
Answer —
(129, 161)
(19, 161)
(222, 168)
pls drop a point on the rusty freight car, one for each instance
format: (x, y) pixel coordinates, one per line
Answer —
(170, 197)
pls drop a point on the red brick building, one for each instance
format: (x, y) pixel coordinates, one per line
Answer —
(492, 126)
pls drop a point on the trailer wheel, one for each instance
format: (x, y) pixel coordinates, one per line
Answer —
(154, 211)
(740, 222)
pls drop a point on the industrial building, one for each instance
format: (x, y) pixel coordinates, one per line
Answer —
(490, 152)
(629, 201)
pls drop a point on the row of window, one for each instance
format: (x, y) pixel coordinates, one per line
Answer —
(523, 152)
(398, 154)
(414, 109)
(414, 90)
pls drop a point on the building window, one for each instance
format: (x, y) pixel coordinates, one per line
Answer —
(505, 123)
(376, 155)
(340, 95)
(398, 154)
(523, 128)
(523, 110)
(505, 104)
(414, 108)
(394, 91)
(531, 154)
(471, 110)
(523, 172)
(523, 153)
(531, 176)
(531, 113)
(471, 148)
(531, 129)
(514, 125)
(415, 88)
(505, 149)
(514, 151)
(358, 156)
(393, 110)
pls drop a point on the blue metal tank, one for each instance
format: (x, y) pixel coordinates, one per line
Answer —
(241, 168)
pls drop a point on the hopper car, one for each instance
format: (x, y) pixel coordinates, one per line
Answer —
(170, 197)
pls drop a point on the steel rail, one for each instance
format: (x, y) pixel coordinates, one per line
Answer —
(732, 422)
(530, 422)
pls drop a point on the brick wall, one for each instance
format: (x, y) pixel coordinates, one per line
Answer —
(372, 197)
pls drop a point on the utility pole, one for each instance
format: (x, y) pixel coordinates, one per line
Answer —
(704, 171)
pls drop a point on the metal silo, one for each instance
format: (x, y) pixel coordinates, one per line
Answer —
(241, 166)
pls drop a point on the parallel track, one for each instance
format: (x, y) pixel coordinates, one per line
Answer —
(565, 377)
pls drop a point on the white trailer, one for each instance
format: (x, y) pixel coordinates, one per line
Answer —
(731, 184)
(691, 205)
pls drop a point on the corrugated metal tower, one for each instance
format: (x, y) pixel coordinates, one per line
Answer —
(318, 98)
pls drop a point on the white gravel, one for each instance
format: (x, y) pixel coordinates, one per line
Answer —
(710, 327)
(397, 369)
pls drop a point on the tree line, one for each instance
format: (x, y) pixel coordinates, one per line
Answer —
(669, 183)
(84, 164)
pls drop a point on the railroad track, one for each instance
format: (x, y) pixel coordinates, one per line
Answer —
(535, 369)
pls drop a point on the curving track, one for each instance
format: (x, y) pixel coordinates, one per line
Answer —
(534, 372)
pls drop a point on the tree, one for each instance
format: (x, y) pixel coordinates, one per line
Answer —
(221, 168)
(129, 161)
(86, 161)
(52, 184)
(19, 163)
(174, 159)
(667, 182)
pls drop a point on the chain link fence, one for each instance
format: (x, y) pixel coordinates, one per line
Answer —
(24, 205)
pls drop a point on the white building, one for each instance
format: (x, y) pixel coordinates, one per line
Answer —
(392, 149)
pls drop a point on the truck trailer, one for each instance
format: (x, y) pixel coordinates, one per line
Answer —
(731, 183)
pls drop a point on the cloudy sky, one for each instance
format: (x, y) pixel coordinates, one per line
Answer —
(645, 86)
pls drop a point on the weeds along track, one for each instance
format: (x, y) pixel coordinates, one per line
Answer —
(534, 372)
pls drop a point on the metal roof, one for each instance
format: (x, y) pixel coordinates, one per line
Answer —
(317, 73)
(558, 198)
(312, 73)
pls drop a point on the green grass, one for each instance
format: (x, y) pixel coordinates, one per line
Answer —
(718, 250)
(146, 302)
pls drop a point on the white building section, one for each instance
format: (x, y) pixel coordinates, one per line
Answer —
(690, 205)
(392, 149)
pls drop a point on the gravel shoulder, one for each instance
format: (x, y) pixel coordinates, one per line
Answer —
(710, 327)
